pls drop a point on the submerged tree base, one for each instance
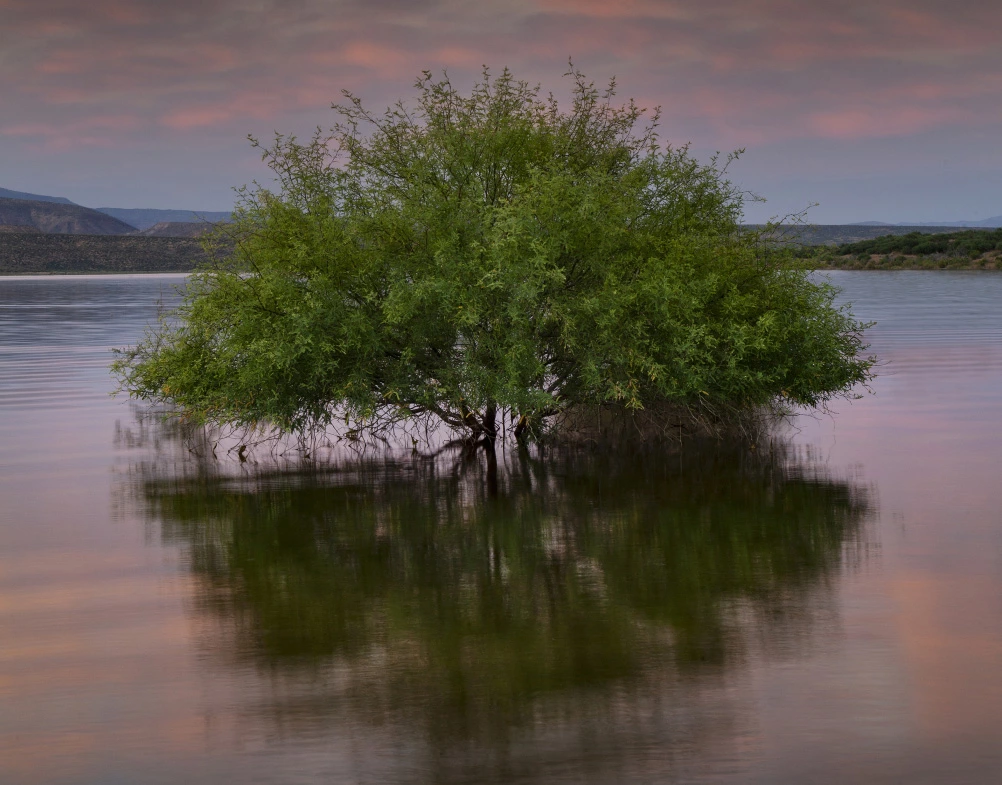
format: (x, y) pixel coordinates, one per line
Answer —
(664, 424)
(199, 448)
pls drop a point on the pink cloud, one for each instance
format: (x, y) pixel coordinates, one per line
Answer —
(95, 131)
(858, 123)
(238, 108)
(373, 56)
(197, 117)
(744, 72)
(622, 9)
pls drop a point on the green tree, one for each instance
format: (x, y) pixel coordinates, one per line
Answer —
(490, 255)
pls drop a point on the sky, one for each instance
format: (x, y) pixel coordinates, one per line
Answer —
(884, 110)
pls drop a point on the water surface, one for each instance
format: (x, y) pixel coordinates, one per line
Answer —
(827, 609)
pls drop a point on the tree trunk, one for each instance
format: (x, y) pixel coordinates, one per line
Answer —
(492, 470)
(490, 425)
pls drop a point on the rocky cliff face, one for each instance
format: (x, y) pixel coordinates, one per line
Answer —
(56, 218)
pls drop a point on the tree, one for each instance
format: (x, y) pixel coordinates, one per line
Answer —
(490, 255)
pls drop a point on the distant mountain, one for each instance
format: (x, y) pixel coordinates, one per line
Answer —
(176, 229)
(144, 218)
(988, 223)
(839, 234)
(137, 218)
(58, 218)
(8, 194)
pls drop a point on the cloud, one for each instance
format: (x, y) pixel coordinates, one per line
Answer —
(185, 62)
(874, 121)
(727, 72)
(91, 131)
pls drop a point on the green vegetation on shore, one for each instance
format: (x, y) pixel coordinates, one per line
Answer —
(964, 250)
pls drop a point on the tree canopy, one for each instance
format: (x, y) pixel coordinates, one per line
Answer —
(486, 255)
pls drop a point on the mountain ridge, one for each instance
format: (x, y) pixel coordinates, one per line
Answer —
(137, 217)
(59, 218)
(142, 218)
(147, 217)
(176, 229)
(995, 222)
(6, 193)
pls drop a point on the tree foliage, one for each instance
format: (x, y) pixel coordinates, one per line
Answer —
(490, 255)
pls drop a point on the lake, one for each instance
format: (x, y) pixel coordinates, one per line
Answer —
(825, 609)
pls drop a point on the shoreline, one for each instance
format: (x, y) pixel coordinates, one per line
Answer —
(10, 276)
(917, 264)
(74, 254)
(33, 254)
(85, 274)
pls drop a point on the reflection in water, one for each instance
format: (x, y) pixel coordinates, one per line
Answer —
(405, 591)
(604, 619)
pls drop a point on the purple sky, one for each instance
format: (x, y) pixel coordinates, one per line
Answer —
(878, 109)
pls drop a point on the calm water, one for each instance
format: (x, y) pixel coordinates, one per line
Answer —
(826, 611)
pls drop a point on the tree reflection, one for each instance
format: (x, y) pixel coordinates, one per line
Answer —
(435, 593)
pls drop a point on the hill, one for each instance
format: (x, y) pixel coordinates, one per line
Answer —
(144, 218)
(137, 218)
(176, 229)
(59, 218)
(995, 222)
(8, 194)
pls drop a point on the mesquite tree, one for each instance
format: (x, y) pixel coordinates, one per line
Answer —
(492, 255)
